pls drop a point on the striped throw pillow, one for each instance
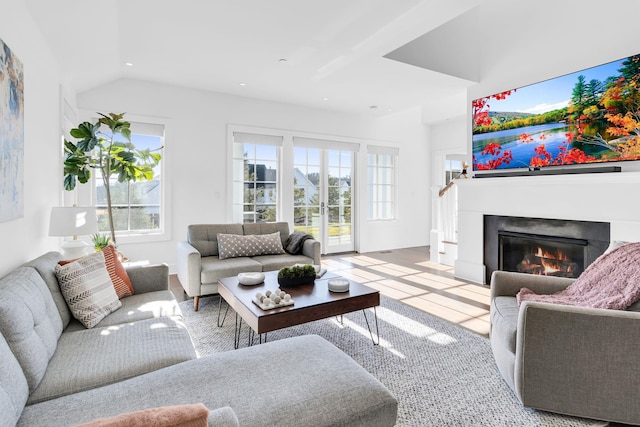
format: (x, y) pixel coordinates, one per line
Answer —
(117, 272)
(87, 288)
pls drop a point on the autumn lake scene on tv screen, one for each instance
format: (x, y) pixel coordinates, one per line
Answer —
(590, 116)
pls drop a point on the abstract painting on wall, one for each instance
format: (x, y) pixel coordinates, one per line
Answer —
(11, 135)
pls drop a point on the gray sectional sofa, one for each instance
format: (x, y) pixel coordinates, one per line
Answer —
(55, 372)
(199, 266)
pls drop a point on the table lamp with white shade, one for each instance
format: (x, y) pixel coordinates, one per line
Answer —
(73, 221)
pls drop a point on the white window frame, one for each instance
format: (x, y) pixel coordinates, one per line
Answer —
(86, 193)
(373, 203)
(258, 138)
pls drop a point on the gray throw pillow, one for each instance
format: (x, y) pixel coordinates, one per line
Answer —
(87, 288)
(236, 245)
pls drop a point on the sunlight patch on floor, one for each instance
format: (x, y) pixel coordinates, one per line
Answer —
(454, 304)
(441, 279)
(394, 269)
(434, 266)
(420, 280)
(365, 333)
(389, 291)
(468, 294)
(438, 310)
(479, 325)
(424, 285)
(335, 264)
(362, 260)
(412, 327)
(401, 286)
(359, 275)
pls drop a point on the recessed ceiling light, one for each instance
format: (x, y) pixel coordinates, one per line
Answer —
(389, 109)
(325, 99)
(129, 64)
(242, 84)
(373, 107)
(282, 60)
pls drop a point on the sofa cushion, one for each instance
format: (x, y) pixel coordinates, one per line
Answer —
(204, 237)
(276, 262)
(111, 354)
(88, 289)
(234, 246)
(504, 321)
(14, 390)
(344, 394)
(213, 268)
(148, 305)
(46, 266)
(29, 321)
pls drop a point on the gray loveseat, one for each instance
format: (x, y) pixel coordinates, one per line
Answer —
(199, 266)
(55, 372)
(572, 360)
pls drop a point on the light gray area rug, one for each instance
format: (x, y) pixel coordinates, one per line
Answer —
(441, 374)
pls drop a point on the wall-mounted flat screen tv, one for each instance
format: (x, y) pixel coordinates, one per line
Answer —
(591, 116)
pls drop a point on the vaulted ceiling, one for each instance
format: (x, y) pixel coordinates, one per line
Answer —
(344, 55)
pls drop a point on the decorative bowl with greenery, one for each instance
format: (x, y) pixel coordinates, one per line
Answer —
(296, 275)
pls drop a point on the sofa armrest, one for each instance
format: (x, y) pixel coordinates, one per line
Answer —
(189, 267)
(149, 278)
(311, 248)
(508, 284)
(580, 361)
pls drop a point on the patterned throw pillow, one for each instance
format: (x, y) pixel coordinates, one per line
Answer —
(236, 245)
(117, 272)
(87, 288)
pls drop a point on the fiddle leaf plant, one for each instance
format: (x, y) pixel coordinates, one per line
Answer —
(109, 151)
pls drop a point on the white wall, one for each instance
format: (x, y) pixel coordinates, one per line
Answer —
(197, 159)
(597, 197)
(25, 238)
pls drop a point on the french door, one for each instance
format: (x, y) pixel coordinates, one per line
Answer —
(323, 196)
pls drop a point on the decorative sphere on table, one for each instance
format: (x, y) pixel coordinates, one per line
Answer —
(287, 297)
(258, 296)
(277, 300)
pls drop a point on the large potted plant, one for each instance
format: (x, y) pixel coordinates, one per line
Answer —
(106, 146)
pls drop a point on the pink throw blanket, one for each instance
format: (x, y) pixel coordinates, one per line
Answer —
(611, 281)
(187, 415)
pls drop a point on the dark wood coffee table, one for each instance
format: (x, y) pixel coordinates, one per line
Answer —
(312, 301)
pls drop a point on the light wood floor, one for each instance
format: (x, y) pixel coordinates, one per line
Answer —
(408, 276)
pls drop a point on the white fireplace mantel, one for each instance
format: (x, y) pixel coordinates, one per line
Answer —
(610, 197)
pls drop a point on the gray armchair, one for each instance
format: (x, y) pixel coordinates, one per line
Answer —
(571, 360)
(199, 267)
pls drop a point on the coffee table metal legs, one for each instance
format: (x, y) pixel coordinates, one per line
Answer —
(375, 315)
(220, 323)
(238, 329)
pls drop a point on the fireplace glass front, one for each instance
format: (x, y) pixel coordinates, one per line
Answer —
(543, 255)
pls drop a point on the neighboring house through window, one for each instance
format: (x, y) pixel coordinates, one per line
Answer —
(255, 177)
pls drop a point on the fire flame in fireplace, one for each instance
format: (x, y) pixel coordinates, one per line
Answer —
(551, 260)
(548, 262)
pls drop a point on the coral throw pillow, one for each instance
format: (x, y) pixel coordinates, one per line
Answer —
(194, 415)
(87, 289)
(117, 272)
